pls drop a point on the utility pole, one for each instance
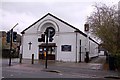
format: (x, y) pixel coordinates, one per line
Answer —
(11, 39)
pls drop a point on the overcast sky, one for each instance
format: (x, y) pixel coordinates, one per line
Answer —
(27, 12)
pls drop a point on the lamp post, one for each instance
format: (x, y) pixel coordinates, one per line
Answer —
(86, 26)
(46, 50)
(50, 32)
(11, 39)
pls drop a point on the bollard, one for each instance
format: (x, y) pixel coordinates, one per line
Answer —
(87, 57)
(32, 58)
(20, 58)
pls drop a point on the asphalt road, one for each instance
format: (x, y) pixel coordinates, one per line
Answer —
(55, 70)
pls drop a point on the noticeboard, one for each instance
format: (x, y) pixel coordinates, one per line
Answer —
(66, 48)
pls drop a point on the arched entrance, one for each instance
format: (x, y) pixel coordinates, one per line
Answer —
(52, 48)
(51, 51)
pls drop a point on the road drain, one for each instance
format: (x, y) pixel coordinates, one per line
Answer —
(112, 77)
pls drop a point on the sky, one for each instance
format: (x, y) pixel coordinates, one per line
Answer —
(26, 12)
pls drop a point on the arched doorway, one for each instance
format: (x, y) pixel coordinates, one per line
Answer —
(51, 51)
(52, 48)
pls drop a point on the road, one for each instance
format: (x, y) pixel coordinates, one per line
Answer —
(55, 69)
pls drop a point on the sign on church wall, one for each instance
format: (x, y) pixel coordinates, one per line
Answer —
(66, 48)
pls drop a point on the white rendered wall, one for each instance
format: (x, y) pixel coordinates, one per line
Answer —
(93, 49)
(66, 39)
(34, 48)
(65, 35)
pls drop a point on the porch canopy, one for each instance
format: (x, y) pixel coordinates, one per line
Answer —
(49, 45)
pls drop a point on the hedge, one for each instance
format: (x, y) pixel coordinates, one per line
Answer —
(117, 60)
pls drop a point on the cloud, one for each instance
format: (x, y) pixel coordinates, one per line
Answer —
(9, 19)
(52, 1)
(26, 13)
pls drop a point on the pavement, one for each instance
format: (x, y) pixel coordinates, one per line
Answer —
(93, 69)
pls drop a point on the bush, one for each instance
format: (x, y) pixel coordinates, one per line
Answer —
(117, 60)
(114, 61)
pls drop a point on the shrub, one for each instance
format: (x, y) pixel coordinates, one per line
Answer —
(117, 60)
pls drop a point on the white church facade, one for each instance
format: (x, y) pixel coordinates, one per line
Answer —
(69, 43)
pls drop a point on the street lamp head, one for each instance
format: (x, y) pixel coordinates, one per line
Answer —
(50, 31)
(86, 27)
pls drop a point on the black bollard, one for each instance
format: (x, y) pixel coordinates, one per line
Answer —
(32, 58)
(20, 58)
(87, 57)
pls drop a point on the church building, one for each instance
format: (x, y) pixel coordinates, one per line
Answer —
(68, 44)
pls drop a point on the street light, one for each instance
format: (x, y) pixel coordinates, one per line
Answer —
(50, 32)
(11, 36)
(86, 29)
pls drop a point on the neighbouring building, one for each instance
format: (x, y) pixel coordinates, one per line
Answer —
(68, 44)
(5, 46)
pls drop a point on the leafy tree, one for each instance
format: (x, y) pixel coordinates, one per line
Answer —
(105, 24)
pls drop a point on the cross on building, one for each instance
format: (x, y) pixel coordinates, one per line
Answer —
(30, 43)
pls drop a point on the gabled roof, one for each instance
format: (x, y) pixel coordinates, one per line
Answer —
(76, 29)
(34, 24)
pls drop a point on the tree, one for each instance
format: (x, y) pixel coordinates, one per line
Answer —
(105, 24)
